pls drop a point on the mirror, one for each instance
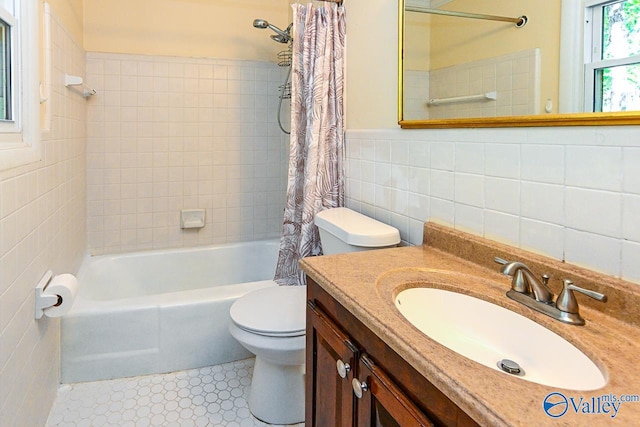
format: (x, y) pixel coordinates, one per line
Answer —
(468, 72)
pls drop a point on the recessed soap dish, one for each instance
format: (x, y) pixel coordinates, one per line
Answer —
(192, 218)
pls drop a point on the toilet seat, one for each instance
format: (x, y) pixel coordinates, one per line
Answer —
(277, 311)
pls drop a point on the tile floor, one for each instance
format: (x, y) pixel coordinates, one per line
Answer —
(210, 396)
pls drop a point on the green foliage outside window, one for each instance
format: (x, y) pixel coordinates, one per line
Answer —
(620, 85)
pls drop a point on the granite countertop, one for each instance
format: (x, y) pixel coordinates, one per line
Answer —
(366, 283)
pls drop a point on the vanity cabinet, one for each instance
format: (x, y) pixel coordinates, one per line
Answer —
(353, 379)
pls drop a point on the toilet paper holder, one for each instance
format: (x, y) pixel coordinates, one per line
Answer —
(43, 300)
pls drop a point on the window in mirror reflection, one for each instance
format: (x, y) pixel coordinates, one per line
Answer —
(613, 67)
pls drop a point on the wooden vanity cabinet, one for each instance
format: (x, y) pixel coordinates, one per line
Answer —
(340, 349)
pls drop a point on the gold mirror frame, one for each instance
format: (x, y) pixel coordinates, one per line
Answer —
(540, 120)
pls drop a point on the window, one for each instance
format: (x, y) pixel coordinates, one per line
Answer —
(5, 71)
(612, 55)
(600, 56)
(19, 76)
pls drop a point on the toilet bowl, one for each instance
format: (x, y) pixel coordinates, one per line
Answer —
(270, 323)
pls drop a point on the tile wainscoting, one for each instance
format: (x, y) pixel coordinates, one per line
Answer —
(569, 193)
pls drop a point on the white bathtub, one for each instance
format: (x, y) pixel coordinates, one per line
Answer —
(160, 311)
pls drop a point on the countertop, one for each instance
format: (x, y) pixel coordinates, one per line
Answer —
(365, 283)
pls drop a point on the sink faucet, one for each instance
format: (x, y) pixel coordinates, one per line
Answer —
(525, 282)
(535, 294)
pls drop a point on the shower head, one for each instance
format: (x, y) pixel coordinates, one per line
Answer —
(260, 23)
(280, 36)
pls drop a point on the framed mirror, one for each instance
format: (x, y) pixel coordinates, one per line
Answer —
(509, 63)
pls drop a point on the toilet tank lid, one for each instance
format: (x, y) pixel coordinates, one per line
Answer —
(356, 229)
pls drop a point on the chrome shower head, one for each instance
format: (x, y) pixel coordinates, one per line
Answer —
(280, 36)
(260, 23)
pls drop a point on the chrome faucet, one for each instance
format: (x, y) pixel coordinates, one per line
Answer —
(535, 294)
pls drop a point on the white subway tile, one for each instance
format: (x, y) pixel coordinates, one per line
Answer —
(630, 264)
(542, 202)
(542, 237)
(502, 160)
(442, 156)
(594, 167)
(594, 211)
(469, 189)
(502, 227)
(441, 211)
(441, 184)
(542, 163)
(631, 171)
(469, 219)
(593, 251)
(631, 217)
(419, 153)
(469, 157)
(502, 195)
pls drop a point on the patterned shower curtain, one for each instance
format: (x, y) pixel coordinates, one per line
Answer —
(316, 164)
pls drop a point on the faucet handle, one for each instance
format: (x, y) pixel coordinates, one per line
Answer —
(545, 279)
(567, 301)
(501, 261)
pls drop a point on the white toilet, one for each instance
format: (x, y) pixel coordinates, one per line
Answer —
(271, 322)
(343, 230)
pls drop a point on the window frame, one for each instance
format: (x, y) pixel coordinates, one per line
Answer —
(20, 137)
(577, 68)
(593, 52)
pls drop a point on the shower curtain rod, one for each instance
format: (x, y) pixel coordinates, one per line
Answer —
(520, 21)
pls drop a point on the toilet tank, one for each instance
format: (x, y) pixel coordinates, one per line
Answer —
(343, 230)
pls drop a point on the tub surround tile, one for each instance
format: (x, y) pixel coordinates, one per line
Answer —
(611, 336)
(179, 133)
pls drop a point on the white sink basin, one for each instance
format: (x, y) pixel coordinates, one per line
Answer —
(487, 333)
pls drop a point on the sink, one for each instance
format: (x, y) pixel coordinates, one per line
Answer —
(499, 338)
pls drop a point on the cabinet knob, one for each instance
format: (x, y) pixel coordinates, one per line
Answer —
(343, 368)
(359, 387)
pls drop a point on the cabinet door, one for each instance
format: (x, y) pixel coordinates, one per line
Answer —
(380, 402)
(331, 358)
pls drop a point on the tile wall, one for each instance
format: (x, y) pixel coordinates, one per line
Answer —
(515, 78)
(169, 133)
(42, 226)
(569, 193)
(415, 95)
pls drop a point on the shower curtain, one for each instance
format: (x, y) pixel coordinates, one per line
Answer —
(316, 164)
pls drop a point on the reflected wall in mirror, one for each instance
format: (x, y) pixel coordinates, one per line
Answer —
(462, 72)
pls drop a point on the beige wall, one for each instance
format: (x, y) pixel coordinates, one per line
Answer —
(416, 41)
(459, 40)
(188, 28)
(69, 12)
(140, 27)
(372, 64)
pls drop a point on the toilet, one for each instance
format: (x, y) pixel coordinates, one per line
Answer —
(271, 322)
(343, 230)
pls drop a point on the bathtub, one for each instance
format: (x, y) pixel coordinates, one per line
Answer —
(160, 311)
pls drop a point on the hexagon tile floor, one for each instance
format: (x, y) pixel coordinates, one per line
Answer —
(210, 396)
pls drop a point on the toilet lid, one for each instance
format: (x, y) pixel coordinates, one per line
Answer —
(274, 311)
